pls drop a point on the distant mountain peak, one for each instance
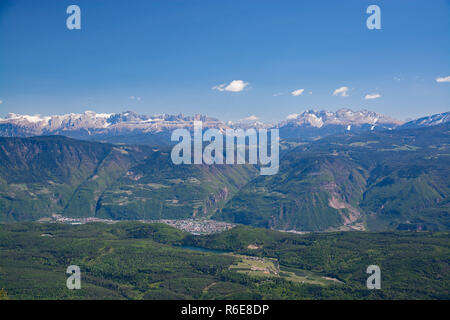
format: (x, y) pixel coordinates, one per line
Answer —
(344, 116)
(427, 121)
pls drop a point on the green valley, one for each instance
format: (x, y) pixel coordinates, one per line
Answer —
(130, 260)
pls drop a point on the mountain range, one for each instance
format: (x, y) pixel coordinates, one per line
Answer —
(129, 127)
(338, 171)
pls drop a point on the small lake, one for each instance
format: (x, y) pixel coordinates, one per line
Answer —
(203, 249)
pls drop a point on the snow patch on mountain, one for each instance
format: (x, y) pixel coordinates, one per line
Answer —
(344, 117)
(432, 120)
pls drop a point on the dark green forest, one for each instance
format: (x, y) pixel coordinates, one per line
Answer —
(131, 260)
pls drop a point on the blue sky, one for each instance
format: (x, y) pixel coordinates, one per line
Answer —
(170, 54)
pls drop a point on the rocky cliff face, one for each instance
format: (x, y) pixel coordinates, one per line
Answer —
(98, 123)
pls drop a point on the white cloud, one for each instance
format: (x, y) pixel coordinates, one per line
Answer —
(443, 79)
(371, 96)
(135, 98)
(297, 92)
(292, 116)
(277, 94)
(233, 86)
(250, 118)
(1, 101)
(342, 91)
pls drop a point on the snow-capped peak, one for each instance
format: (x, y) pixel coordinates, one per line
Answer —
(341, 117)
(432, 120)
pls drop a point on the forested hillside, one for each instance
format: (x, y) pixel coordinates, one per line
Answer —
(42, 176)
(397, 179)
(132, 260)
